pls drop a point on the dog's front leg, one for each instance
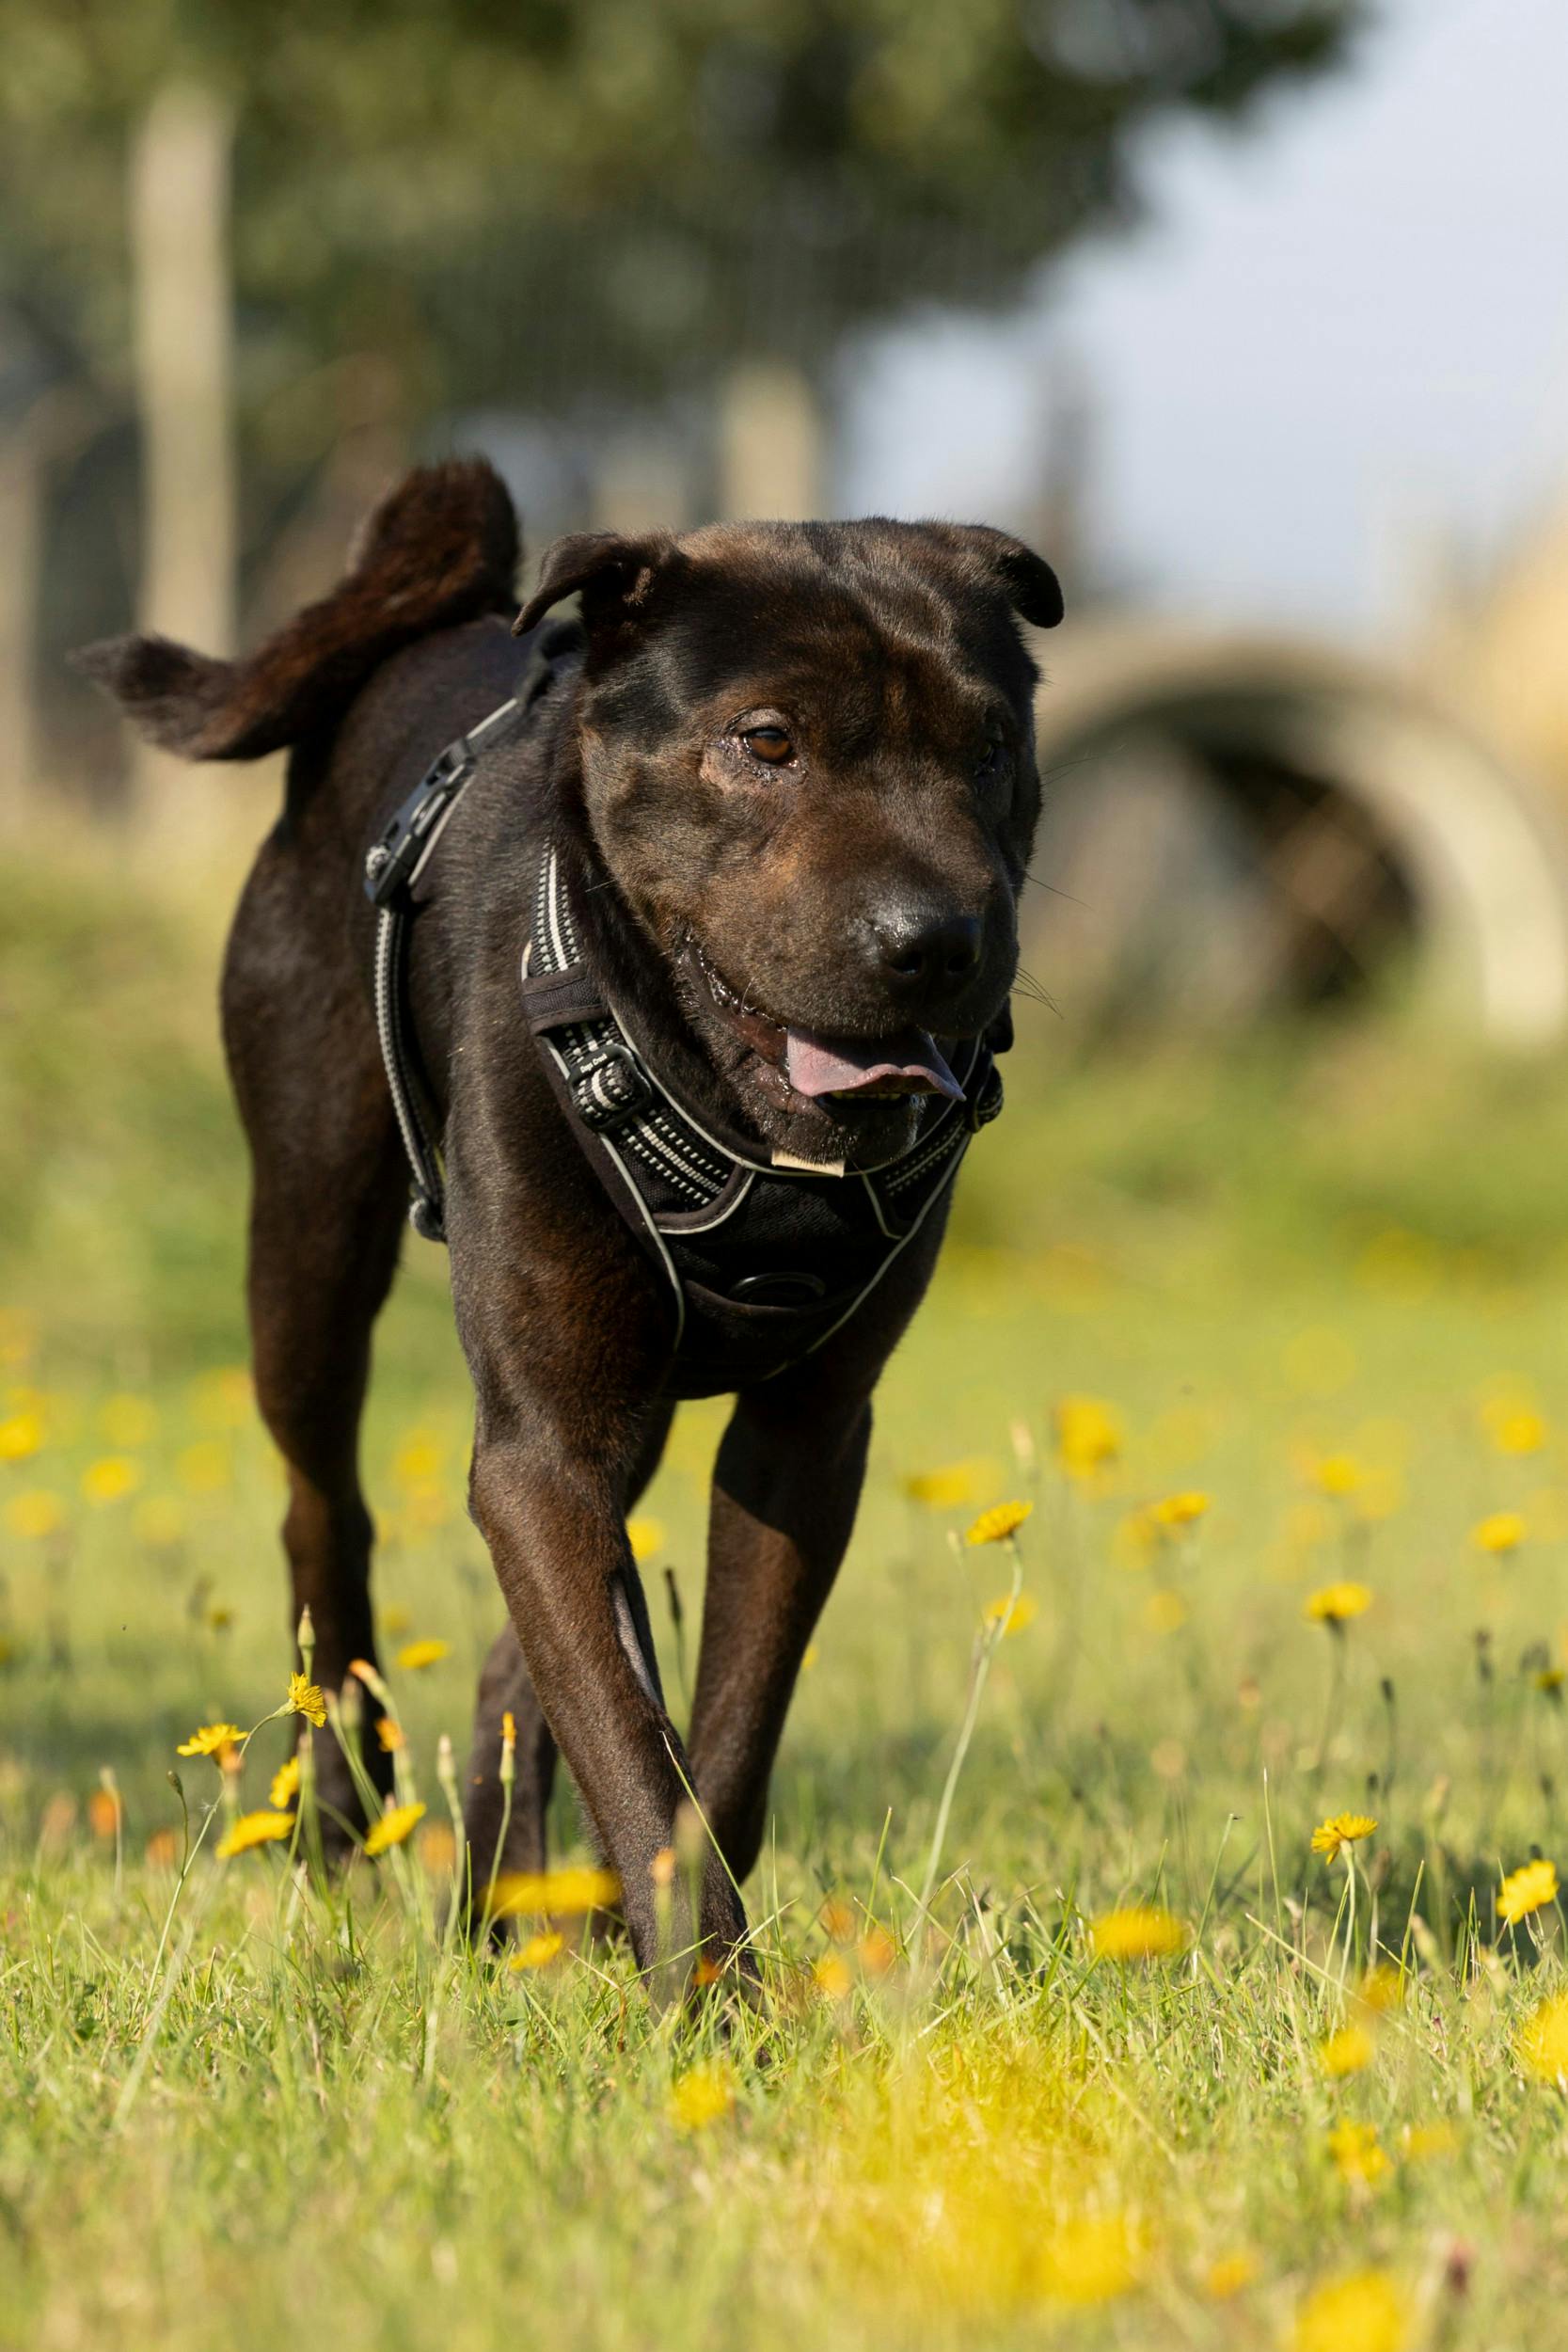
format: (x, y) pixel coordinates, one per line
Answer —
(551, 1516)
(785, 1487)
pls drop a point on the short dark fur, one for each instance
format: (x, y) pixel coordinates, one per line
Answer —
(902, 814)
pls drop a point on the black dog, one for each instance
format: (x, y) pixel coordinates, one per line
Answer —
(712, 956)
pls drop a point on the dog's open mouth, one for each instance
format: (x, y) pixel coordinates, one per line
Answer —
(817, 1064)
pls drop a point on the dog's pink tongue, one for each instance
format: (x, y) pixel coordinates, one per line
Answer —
(906, 1064)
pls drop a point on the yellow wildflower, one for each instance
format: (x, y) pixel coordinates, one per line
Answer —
(704, 2095)
(1012, 1614)
(1143, 1932)
(575, 1889)
(1089, 1435)
(205, 1468)
(393, 1827)
(285, 1783)
(418, 1459)
(539, 1950)
(1165, 1610)
(209, 1740)
(21, 1435)
(1340, 1830)
(1549, 1679)
(831, 1977)
(1381, 1989)
(1424, 2143)
(1544, 2042)
(306, 1698)
(390, 1734)
(1229, 2275)
(111, 1478)
(1521, 1432)
(35, 1512)
(646, 1538)
(1338, 1474)
(1357, 2154)
(877, 1953)
(414, 1655)
(1502, 1531)
(104, 1812)
(948, 1487)
(1364, 2312)
(1346, 2052)
(1181, 1510)
(254, 1829)
(1332, 1604)
(395, 1619)
(1001, 1521)
(1087, 2258)
(1529, 1888)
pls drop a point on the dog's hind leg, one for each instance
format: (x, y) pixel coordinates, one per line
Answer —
(328, 1203)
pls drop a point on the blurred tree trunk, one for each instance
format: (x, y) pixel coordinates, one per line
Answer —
(179, 225)
(52, 429)
(771, 437)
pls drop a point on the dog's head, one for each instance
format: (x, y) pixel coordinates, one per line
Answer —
(808, 768)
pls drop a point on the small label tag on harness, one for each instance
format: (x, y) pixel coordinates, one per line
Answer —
(807, 1167)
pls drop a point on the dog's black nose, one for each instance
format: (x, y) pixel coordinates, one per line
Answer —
(927, 953)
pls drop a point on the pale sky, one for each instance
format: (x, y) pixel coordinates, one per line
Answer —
(1341, 332)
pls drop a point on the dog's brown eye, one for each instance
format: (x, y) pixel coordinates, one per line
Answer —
(772, 744)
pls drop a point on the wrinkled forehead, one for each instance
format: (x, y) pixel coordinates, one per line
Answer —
(864, 649)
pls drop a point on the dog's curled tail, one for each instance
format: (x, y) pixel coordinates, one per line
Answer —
(440, 549)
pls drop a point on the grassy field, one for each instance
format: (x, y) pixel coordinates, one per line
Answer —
(1148, 2072)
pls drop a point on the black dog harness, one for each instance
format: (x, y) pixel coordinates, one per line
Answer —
(763, 1260)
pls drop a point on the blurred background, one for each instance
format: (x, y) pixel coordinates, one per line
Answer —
(1253, 314)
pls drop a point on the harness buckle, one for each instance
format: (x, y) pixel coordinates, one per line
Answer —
(392, 863)
(610, 1088)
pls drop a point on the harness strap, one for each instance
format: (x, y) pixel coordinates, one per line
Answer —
(394, 867)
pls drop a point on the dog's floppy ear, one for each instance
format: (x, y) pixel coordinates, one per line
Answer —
(1032, 587)
(613, 573)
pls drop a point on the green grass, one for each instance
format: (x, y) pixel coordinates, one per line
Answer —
(242, 2109)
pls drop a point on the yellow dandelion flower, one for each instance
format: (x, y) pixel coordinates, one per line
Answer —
(565, 1892)
(1521, 1431)
(831, 1977)
(1364, 2312)
(1346, 2052)
(1088, 2258)
(254, 1829)
(285, 1783)
(1143, 1932)
(1001, 1521)
(1089, 1435)
(947, 1488)
(129, 1421)
(111, 1478)
(1338, 1474)
(1381, 1989)
(21, 1435)
(539, 1950)
(877, 1952)
(1333, 1604)
(415, 1654)
(1544, 2042)
(1012, 1614)
(646, 1538)
(390, 1734)
(419, 1459)
(1529, 1888)
(393, 1827)
(209, 1740)
(1229, 2276)
(306, 1698)
(1500, 1532)
(703, 2096)
(1357, 2153)
(1549, 1679)
(1340, 1830)
(836, 1919)
(1181, 1510)
(706, 1971)
(35, 1514)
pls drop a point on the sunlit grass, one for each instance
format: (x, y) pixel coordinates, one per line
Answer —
(1160, 1929)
